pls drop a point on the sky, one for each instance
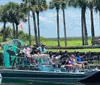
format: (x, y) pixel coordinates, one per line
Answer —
(48, 22)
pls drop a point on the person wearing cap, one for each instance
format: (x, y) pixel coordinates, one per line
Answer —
(42, 48)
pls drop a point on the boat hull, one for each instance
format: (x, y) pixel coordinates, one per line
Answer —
(92, 78)
(59, 77)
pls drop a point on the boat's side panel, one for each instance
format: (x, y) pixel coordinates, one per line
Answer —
(93, 78)
(43, 76)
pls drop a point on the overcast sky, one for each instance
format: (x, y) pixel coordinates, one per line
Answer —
(73, 22)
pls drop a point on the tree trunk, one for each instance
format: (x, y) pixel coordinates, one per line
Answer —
(16, 31)
(64, 22)
(29, 28)
(99, 19)
(38, 27)
(85, 28)
(58, 33)
(13, 30)
(92, 25)
(4, 28)
(35, 29)
(82, 27)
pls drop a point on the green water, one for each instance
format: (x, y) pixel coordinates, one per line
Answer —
(25, 82)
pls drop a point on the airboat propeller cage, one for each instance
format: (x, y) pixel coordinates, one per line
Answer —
(14, 46)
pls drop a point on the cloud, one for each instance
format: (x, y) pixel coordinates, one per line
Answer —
(54, 15)
(45, 20)
(42, 18)
(51, 17)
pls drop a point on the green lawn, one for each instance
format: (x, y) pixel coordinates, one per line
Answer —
(78, 50)
(70, 42)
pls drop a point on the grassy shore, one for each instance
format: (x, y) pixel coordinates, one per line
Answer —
(70, 42)
(78, 50)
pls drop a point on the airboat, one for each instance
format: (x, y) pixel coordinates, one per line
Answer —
(13, 69)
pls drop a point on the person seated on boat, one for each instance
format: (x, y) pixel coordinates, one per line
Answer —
(34, 49)
(74, 63)
(54, 62)
(42, 48)
(51, 57)
(79, 60)
(64, 55)
(57, 56)
(24, 54)
(40, 56)
(48, 61)
(39, 53)
(26, 51)
(69, 64)
(50, 54)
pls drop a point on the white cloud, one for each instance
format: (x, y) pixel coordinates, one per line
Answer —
(45, 19)
(51, 17)
(42, 19)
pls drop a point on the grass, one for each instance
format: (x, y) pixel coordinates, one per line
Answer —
(70, 42)
(78, 50)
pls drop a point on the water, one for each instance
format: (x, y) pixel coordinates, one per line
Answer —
(25, 82)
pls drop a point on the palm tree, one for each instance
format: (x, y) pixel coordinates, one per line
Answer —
(64, 4)
(41, 5)
(33, 7)
(36, 6)
(3, 18)
(11, 13)
(84, 26)
(97, 8)
(26, 5)
(56, 4)
(91, 6)
(8, 32)
(33, 10)
(29, 28)
(82, 4)
(19, 16)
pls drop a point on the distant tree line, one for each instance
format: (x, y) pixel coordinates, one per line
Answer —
(15, 13)
(9, 34)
